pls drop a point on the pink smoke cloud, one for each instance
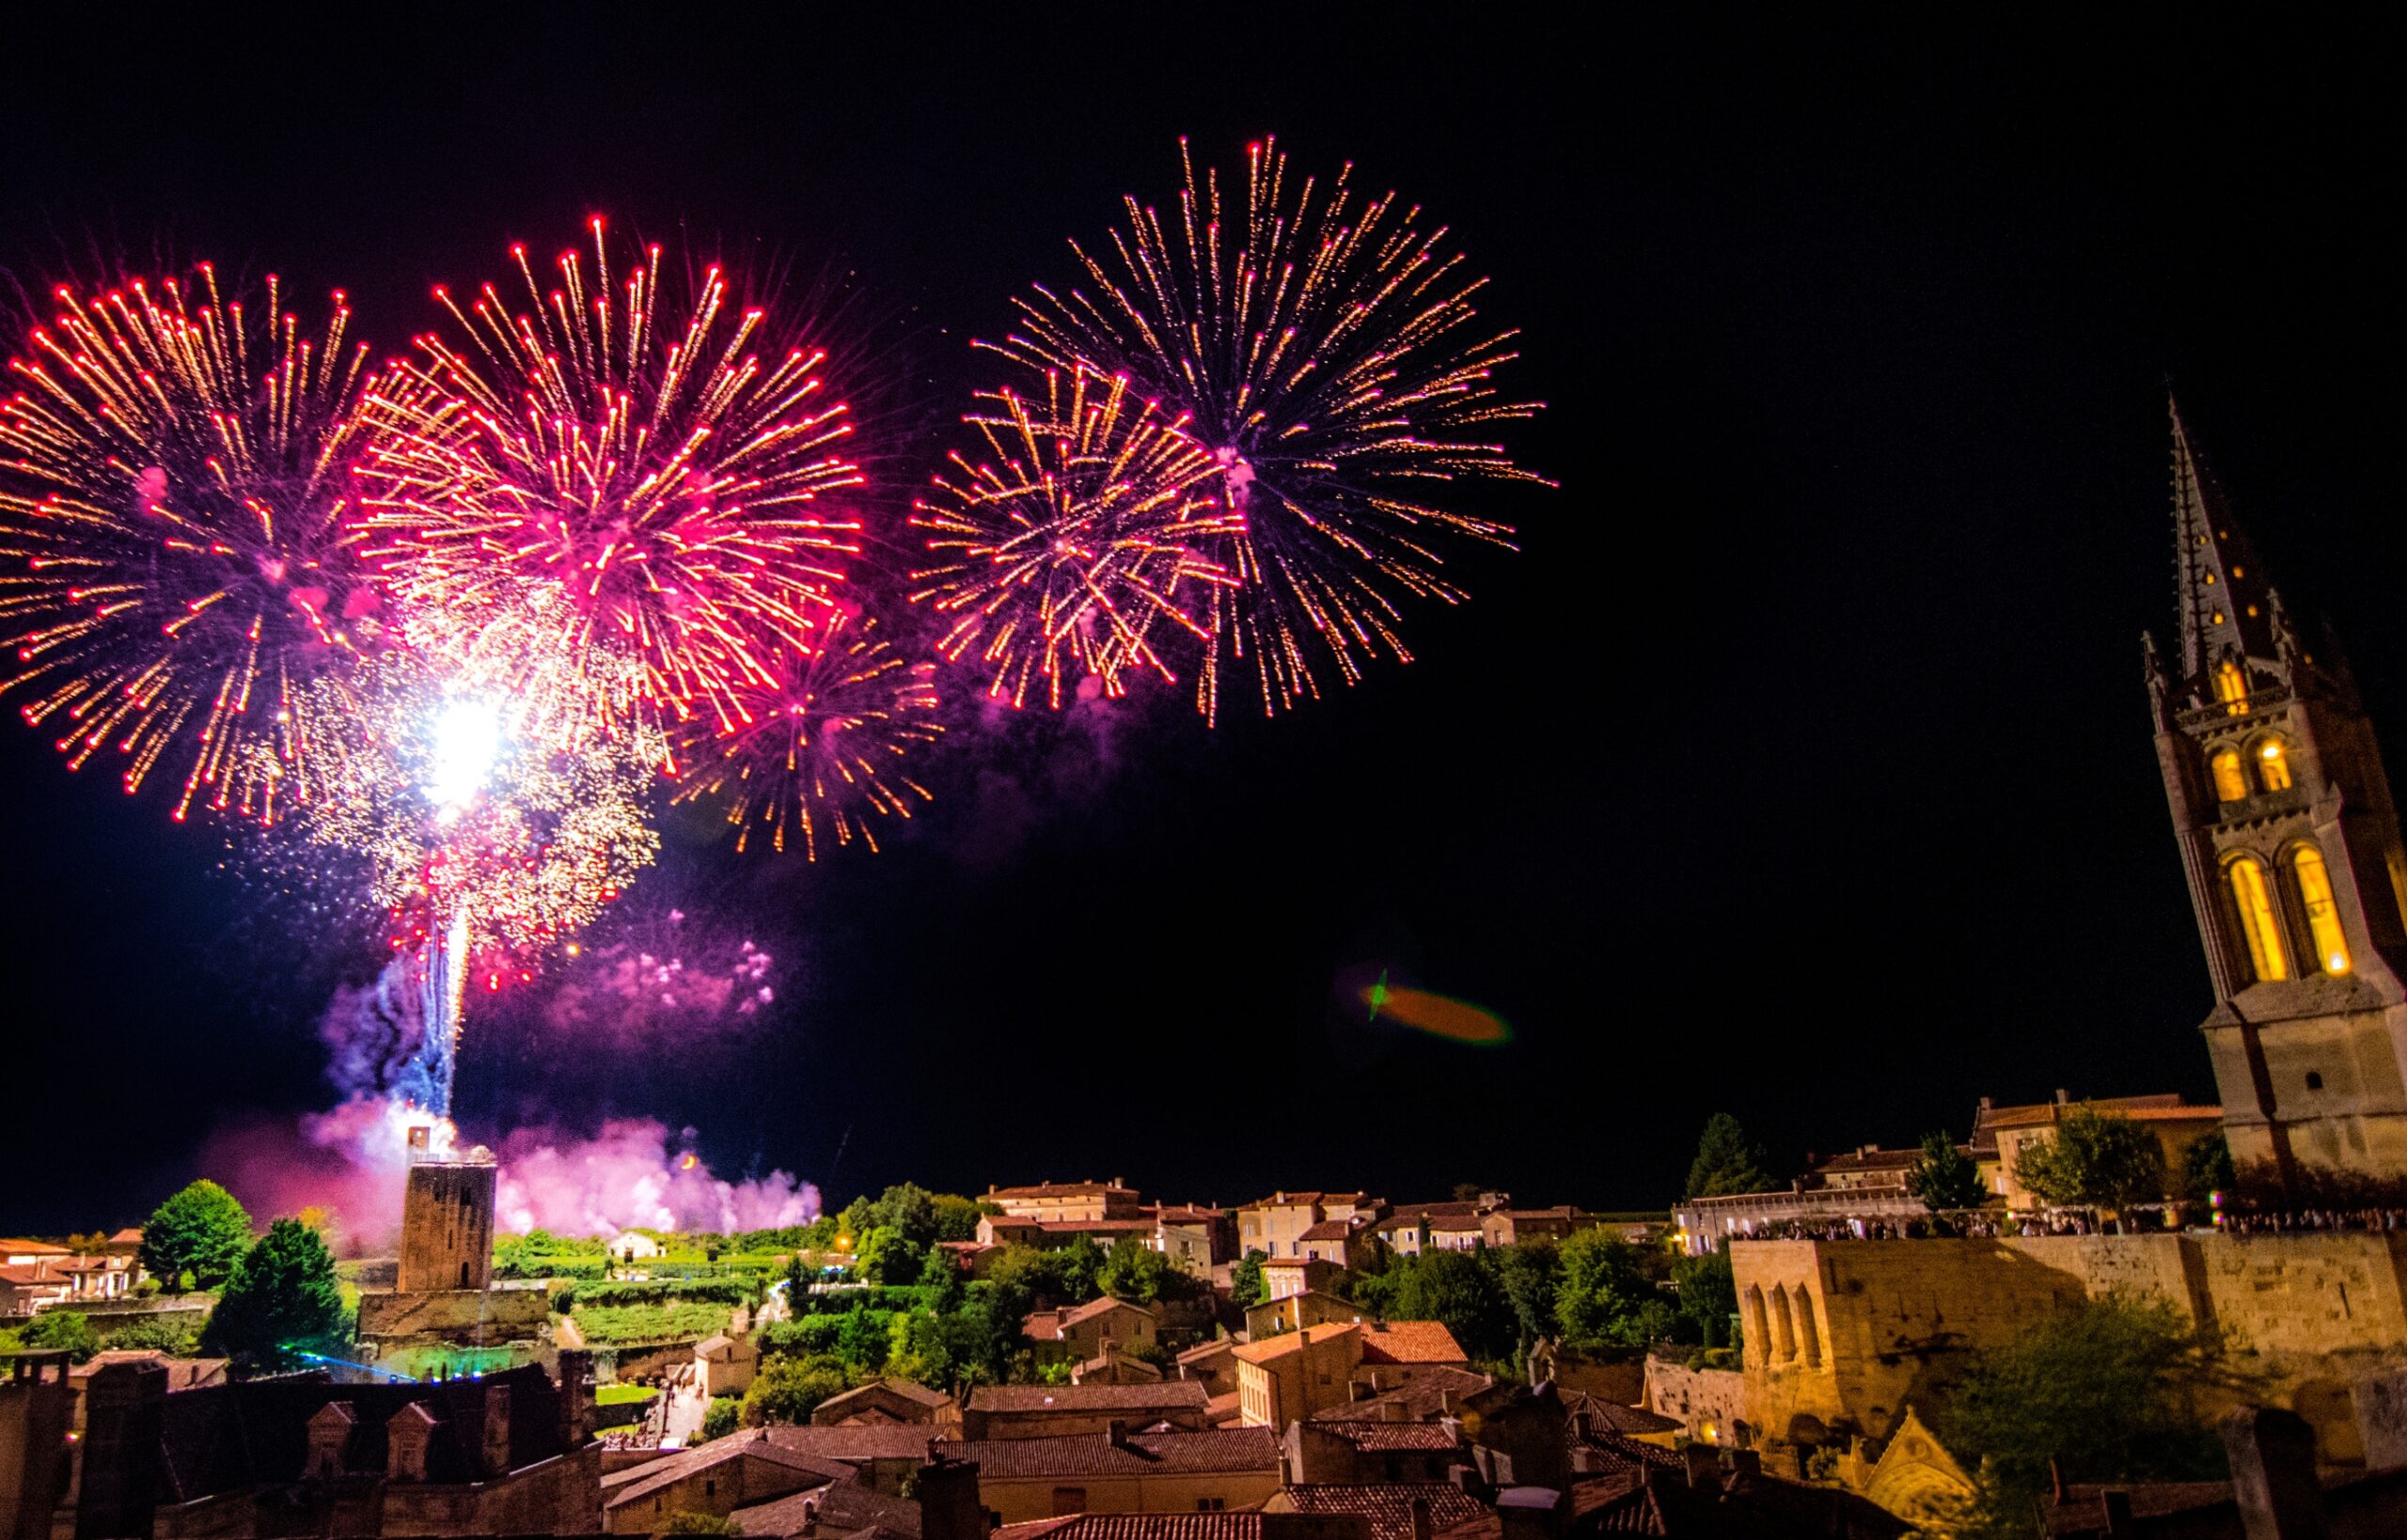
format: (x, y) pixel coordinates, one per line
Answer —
(627, 1176)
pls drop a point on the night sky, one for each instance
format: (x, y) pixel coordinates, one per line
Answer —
(1798, 766)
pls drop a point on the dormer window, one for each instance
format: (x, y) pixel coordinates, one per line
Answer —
(2273, 765)
(2231, 688)
(2231, 782)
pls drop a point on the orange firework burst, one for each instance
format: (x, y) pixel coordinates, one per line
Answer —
(172, 501)
(1324, 350)
(1074, 540)
(646, 490)
(827, 742)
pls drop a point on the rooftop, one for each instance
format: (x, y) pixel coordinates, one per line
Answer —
(1215, 1450)
(1174, 1394)
(1387, 1504)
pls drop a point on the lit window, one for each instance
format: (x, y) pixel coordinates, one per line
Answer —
(2231, 784)
(2231, 688)
(2255, 904)
(2323, 914)
(2274, 765)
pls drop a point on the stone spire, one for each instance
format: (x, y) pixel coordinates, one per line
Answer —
(2226, 606)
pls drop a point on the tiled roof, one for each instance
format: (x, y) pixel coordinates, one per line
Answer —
(846, 1506)
(1379, 1437)
(1327, 1229)
(640, 1482)
(2037, 1114)
(1410, 1341)
(1207, 1350)
(23, 1248)
(1423, 1397)
(1062, 1190)
(1176, 1393)
(1136, 1527)
(1871, 1160)
(1103, 1306)
(1612, 1417)
(1388, 1504)
(909, 1389)
(1212, 1451)
(1189, 1214)
(855, 1441)
(1292, 1342)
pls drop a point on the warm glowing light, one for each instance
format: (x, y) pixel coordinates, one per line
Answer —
(467, 747)
(2264, 932)
(2323, 914)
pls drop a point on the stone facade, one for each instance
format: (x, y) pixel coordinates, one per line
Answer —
(1842, 1337)
(446, 1225)
(2292, 848)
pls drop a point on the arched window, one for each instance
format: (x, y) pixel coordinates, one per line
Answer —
(2255, 902)
(2323, 914)
(2274, 765)
(1759, 1329)
(2231, 782)
(1809, 1336)
(1782, 1324)
(2231, 688)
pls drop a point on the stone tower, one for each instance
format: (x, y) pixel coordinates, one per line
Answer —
(2292, 848)
(446, 1221)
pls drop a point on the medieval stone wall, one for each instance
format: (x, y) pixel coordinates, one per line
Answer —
(446, 1228)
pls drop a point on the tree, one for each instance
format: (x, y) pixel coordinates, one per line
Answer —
(200, 1231)
(886, 1256)
(2095, 1159)
(2110, 1391)
(1944, 1177)
(687, 1521)
(69, 1328)
(282, 1301)
(154, 1333)
(1725, 1163)
(1602, 1297)
(1531, 1274)
(1460, 1289)
(789, 1389)
(2206, 1168)
(1136, 1272)
(917, 1349)
(1709, 1297)
(909, 1209)
(957, 1216)
(1081, 1263)
(723, 1416)
(1245, 1286)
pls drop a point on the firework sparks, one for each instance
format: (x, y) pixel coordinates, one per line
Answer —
(1073, 541)
(823, 741)
(1323, 348)
(173, 493)
(628, 485)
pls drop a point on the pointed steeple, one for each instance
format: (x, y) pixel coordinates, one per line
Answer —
(2226, 606)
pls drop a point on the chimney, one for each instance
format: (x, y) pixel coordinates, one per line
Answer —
(330, 1429)
(1421, 1518)
(1989, 1104)
(2272, 1474)
(125, 1411)
(1704, 1466)
(1530, 1513)
(406, 1434)
(1392, 1412)
(576, 1396)
(2063, 1097)
(950, 1506)
(496, 1430)
(1119, 1432)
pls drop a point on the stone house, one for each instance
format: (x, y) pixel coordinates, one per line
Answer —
(726, 1364)
(1275, 1225)
(1296, 1374)
(888, 1401)
(1079, 1334)
(1294, 1312)
(1118, 1471)
(996, 1413)
(1196, 1240)
(1283, 1276)
(1346, 1243)
(1055, 1201)
(2010, 1130)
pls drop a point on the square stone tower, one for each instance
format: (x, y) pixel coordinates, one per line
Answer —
(447, 1221)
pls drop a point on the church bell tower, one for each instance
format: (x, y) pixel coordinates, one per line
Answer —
(2292, 848)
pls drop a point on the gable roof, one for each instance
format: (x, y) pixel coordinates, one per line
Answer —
(1223, 1526)
(1410, 1341)
(632, 1486)
(908, 1389)
(1214, 1450)
(1329, 1229)
(1170, 1395)
(1293, 1342)
(1387, 1504)
(1421, 1397)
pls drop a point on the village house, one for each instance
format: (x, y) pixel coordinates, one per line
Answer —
(1499, 1227)
(1118, 1471)
(1006, 1229)
(995, 1412)
(1284, 1276)
(726, 1364)
(1294, 1312)
(1212, 1365)
(1275, 1225)
(1055, 1201)
(2003, 1133)
(1196, 1240)
(888, 1402)
(1296, 1374)
(1079, 1333)
(1346, 1243)
(1415, 1228)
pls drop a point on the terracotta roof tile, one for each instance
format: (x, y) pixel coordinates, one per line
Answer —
(1410, 1341)
(1177, 1394)
(1388, 1504)
(1210, 1452)
(1136, 1527)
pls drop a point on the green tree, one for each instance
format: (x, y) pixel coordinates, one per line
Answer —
(2110, 1391)
(200, 1231)
(909, 1209)
(1081, 1266)
(1725, 1163)
(69, 1328)
(1709, 1295)
(723, 1416)
(957, 1216)
(2095, 1159)
(1246, 1286)
(2206, 1168)
(1944, 1177)
(1604, 1295)
(1531, 1274)
(1036, 1272)
(789, 1389)
(886, 1256)
(282, 1301)
(1136, 1272)
(153, 1334)
(981, 1337)
(1462, 1290)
